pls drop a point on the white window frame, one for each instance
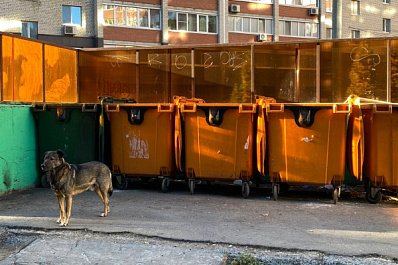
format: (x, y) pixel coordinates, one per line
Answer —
(71, 15)
(386, 26)
(28, 23)
(355, 34)
(257, 1)
(198, 15)
(138, 17)
(330, 8)
(235, 18)
(387, 2)
(304, 4)
(329, 33)
(307, 25)
(357, 9)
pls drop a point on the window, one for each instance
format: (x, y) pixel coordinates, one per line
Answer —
(298, 29)
(387, 25)
(29, 30)
(120, 15)
(246, 24)
(202, 23)
(143, 17)
(182, 21)
(132, 16)
(312, 3)
(386, 2)
(250, 25)
(355, 34)
(329, 5)
(172, 21)
(355, 8)
(72, 15)
(192, 22)
(329, 33)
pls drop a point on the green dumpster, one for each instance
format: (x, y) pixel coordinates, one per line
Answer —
(73, 128)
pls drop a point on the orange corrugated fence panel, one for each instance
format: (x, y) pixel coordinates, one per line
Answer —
(60, 74)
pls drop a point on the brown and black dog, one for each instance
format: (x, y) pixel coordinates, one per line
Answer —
(67, 180)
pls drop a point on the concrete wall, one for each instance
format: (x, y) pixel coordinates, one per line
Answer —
(18, 148)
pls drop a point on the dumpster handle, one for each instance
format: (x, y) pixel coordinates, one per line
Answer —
(275, 108)
(89, 108)
(112, 108)
(165, 107)
(381, 108)
(247, 108)
(39, 107)
(340, 108)
(188, 107)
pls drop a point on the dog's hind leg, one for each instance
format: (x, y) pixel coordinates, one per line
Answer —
(106, 202)
(61, 202)
(97, 190)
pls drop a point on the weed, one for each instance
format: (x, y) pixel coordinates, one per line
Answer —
(245, 260)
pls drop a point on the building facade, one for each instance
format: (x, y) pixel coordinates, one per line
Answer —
(66, 22)
(360, 19)
(109, 23)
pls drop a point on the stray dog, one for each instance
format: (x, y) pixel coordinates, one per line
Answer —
(67, 180)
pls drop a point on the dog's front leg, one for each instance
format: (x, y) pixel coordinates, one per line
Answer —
(61, 202)
(68, 199)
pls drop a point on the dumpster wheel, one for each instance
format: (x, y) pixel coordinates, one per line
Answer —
(191, 185)
(165, 184)
(336, 195)
(373, 199)
(121, 182)
(245, 190)
(275, 191)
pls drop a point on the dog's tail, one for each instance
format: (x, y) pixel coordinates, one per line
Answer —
(110, 190)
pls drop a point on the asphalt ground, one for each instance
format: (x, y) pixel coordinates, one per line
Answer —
(302, 227)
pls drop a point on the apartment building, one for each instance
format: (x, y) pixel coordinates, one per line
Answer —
(360, 19)
(109, 23)
(67, 22)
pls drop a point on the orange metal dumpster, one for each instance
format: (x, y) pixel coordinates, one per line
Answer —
(381, 149)
(217, 142)
(142, 141)
(306, 144)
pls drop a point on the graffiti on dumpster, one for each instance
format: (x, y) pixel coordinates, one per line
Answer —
(138, 148)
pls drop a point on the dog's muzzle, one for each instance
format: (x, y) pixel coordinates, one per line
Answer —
(42, 167)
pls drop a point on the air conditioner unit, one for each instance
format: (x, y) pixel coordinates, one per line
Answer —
(234, 8)
(313, 11)
(69, 30)
(262, 37)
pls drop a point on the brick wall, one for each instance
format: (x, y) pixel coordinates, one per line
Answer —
(132, 35)
(191, 38)
(202, 4)
(244, 38)
(295, 12)
(151, 2)
(253, 8)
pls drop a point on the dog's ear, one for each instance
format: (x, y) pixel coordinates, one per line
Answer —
(60, 153)
(45, 153)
